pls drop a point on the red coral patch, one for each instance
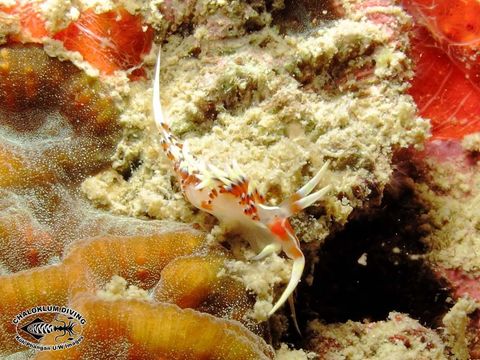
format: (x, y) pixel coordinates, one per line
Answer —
(31, 22)
(446, 86)
(115, 40)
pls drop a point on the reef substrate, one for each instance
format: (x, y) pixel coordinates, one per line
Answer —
(280, 86)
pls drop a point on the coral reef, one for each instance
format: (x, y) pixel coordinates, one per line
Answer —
(58, 126)
(43, 102)
(450, 189)
(194, 282)
(446, 84)
(281, 86)
(238, 84)
(281, 103)
(128, 41)
(134, 329)
(109, 41)
(445, 43)
(423, 230)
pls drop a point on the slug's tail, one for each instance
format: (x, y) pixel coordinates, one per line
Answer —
(157, 106)
(282, 229)
(172, 147)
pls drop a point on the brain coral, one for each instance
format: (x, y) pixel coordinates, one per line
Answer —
(58, 126)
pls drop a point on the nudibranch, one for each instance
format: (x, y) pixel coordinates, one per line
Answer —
(229, 196)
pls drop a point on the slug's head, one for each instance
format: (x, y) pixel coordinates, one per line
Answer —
(282, 230)
(276, 219)
(286, 240)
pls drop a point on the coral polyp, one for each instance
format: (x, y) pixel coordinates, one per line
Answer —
(28, 78)
(57, 125)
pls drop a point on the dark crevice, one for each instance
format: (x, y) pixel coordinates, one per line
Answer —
(186, 28)
(254, 24)
(395, 276)
(300, 16)
(133, 166)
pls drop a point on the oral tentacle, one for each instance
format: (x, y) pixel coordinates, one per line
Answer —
(267, 251)
(303, 198)
(297, 270)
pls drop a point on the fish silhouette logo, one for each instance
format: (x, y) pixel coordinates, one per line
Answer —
(49, 327)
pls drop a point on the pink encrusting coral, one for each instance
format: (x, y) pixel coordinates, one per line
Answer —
(377, 12)
(464, 285)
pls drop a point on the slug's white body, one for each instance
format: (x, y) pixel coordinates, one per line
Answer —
(228, 195)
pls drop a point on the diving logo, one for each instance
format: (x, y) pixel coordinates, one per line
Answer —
(49, 327)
